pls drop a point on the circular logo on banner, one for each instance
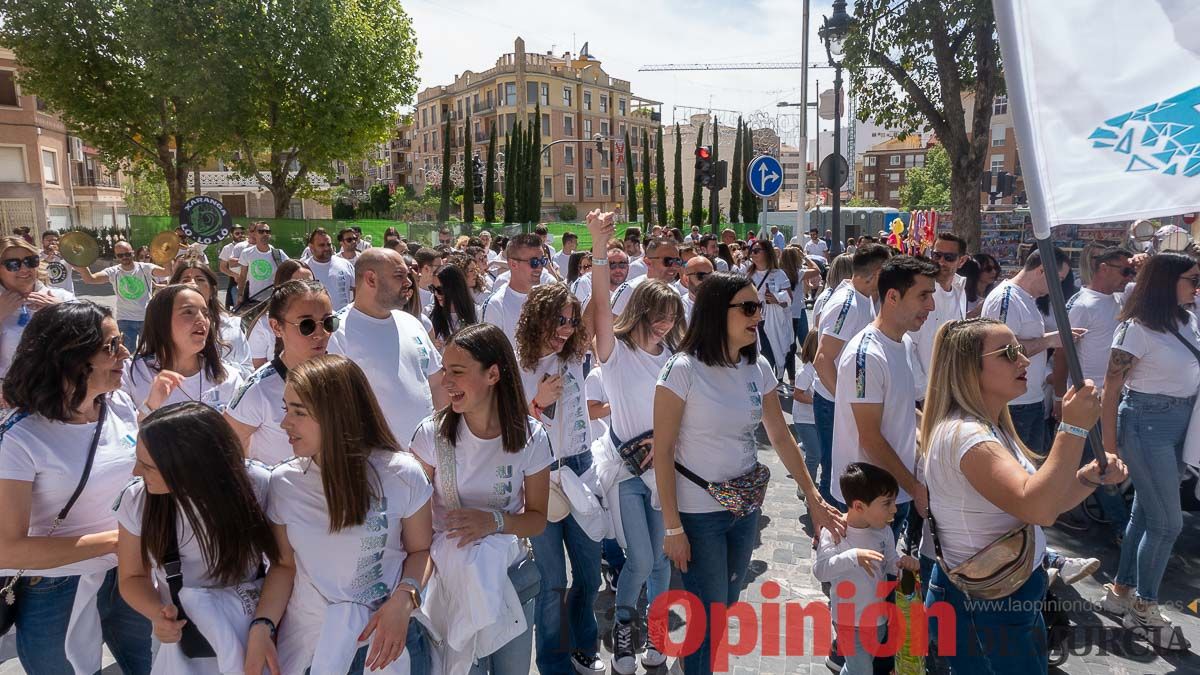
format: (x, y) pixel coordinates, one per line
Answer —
(131, 287)
(56, 272)
(261, 270)
(205, 220)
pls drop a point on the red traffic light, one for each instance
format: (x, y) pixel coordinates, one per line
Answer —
(703, 153)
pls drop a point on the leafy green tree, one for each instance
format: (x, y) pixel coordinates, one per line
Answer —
(379, 200)
(508, 178)
(660, 170)
(911, 68)
(735, 176)
(468, 204)
(860, 201)
(928, 187)
(677, 216)
(516, 163)
(146, 192)
(533, 181)
(444, 209)
(697, 212)
(646, 191)
(630, 181)
(489, 183)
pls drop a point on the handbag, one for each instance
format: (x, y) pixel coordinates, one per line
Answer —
(741, 496)
(192, 643)
(995, 571)
(8, 592)
(633, 452)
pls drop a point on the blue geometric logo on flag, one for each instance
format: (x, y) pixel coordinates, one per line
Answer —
(1162, 137)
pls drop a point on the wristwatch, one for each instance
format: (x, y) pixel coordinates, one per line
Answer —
(413, 589)
(266, 622)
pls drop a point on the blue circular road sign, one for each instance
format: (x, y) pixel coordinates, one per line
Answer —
(764, 176)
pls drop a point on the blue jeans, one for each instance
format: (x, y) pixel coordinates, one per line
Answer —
(130, 330)
(645, 562)
(900, 520)
(721, 546)
(420, 659)
(823, 411)
(41, 622)
(566, 619)
(1150, 433)
(997, 637)
(1112, 502)
(513, 657)
(862, 662)
(1029, 419)
(810, 443)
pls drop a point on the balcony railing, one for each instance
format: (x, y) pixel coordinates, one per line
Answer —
(212, 180)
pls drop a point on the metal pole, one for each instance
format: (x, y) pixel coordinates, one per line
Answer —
(801, 212)
(837, 149)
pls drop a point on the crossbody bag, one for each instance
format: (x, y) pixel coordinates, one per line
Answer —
(8, 592)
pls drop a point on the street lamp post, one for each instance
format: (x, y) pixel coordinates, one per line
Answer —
(833, 33)
(802, 193)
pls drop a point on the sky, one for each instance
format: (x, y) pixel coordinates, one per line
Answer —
(627, 34)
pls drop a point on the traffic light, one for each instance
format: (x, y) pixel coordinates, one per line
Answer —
(704, 166)
(1006, 184)
(477, 179)
(720, 175)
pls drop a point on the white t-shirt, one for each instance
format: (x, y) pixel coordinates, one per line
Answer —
(231, 252)
(966, 520)
(717, 433)
(948, 306)
(503, 278)
(581, 288)
(637, 268)
(838, 563)
(622, 294)
(132, 503)
(502, 309)
(358, 564)
(139, 374)
(1097, 312)
(567, 423)
(873, 368)
(593, 390)
(629, 377)
(58, 274)
(133, 288)
(260, 268)
(337, 276)
(426, 299)
(262, 339)
(817, 248)
(51, 455)
(259, 404)
(1018, 309)
(688, 304)
(720, 265)
(802, 413)
(398, 357)
(823, 299)
(562, 261)
(1165, 365)
(488, 477)
(13, 327)
(845, 315)
(237, 349)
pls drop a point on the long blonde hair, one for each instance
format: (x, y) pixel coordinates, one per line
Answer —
(954, 382)
(650, 302)
(841, 269)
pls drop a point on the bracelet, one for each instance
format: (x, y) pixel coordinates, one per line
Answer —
(600, 262)
(266, 622)
(672, 531)
(499, 518)
(1063, 427)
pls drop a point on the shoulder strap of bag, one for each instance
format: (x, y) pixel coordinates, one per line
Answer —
(1191, 348)
(193, 644)
(687, 473)
(87, 467)
(446, 469)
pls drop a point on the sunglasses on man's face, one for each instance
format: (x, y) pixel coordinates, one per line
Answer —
(619, 265)
(1126, 270)
(669, 261)
(749, 307)
(122, 256)
(309, 326)
(30, 261)
(1012, 351)
(535, 263)
(948, 257)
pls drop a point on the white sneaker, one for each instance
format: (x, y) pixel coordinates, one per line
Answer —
(651, 657)
(587, 664)
(624, 662)
(1114, 603)
(1074, 569)
(1147, 621)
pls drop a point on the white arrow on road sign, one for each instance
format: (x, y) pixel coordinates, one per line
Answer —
(764, 177)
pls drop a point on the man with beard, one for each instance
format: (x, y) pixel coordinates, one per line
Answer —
(335, 272)
(662, 262)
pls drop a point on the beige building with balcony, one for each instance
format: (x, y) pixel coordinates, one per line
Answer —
(46, 174)
(578, 101)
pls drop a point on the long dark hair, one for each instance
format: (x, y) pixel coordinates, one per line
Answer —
(200, 459)
(338, 396)
(972, 273)
(573, 264)
(707, 336)
(1154, 302)
(50, 369)
(156, 344)
(488, 345)
(456, 298)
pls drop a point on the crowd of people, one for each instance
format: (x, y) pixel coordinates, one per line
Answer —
(428, 459)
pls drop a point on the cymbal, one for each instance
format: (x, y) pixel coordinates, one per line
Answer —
(164, 247)
(79, 248)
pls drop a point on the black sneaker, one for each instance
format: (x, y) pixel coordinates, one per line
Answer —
(588, 664)
(624, 660)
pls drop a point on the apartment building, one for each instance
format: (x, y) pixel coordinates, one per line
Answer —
(578, 100)
(884, 168)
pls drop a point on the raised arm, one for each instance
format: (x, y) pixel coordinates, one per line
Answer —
(601, 227)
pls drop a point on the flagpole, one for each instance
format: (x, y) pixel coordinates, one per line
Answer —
(1032, 167)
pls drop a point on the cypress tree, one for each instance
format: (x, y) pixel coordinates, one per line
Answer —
(735, 177)
(489, 184)
(749, 199)
(697, 215)
(518, 165)
(660, 194)
(646, 196)
(533, 201)
(630, 182)
(444, 207)
(508, 176)
(677, 217)
(468, 208)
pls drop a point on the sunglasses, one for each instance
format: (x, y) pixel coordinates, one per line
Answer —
(535, 263)
(749, 307)
(1012, 352)
(700, 276)
(113, 346)
(30, 261)
(1194, 281)
(309, 326)
(437, 290)
(573, 321)
(1126, 270)
(125, 255)
(264, 232)
(669, 261)
(756, 249)
(948, 257)
(619, 266)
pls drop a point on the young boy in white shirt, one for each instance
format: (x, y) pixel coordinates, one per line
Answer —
(855, 566)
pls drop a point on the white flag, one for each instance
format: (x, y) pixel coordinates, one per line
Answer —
(1105, 96)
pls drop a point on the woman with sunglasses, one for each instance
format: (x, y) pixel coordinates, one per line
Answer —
(71, 422)
(262, 341)
(981, 278)
(231, 341)
(350, 511)
(23, 293)
(133, 283)
(773, 286)
(301, 317)
(550, 350)
(708, 403)
(178, 357)
(196, 501)
(1149, 391)
(580, 264)
(631, 352)
(984, 483)
(453, 306)
(478, 279)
